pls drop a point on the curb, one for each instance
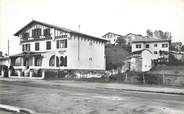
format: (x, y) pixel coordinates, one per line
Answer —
(16, 109)
(146, 91)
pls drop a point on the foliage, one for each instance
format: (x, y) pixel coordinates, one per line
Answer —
(121, 41)
(115, 56)
(174, 61)
(149, 33)
(159, 34)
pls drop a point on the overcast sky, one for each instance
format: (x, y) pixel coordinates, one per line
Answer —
(96, 17)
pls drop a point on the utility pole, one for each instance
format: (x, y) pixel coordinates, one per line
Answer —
(79, 28)
(8, 47)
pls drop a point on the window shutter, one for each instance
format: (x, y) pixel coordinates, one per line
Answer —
(65, 43)
(33, 33)
(61, 61)
(23, 47)
(57, 45)
(65, 63)
(39, 32)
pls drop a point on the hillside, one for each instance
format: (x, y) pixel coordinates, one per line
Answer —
(115, 55)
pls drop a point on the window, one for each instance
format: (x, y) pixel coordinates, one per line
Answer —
(138, 46)
(52, 61)
(36, 33)
(37, 47)
(38, 61)
(47, 32)
(63, 61)
(25, 36)
(48, 45)
(155, 52)
(90, 43)
(26, 47)
(61, 44)
(57, 61)
(155, 45)
(164, 45)
(90, 59)
(147, 45)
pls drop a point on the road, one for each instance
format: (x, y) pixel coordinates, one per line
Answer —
(65, 99)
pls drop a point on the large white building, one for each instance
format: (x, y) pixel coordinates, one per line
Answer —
(45, 46)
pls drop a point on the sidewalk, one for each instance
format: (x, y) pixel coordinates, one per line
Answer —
(116, 86)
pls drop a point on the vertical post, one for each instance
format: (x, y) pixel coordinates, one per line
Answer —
(33, 61)
(143, 78)
(2, 73)
(43, 74)
(19, 73)
(163, 79)
(9, 73)
(8, 47)
(126, 76)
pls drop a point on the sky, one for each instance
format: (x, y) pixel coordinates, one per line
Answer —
(95, 17)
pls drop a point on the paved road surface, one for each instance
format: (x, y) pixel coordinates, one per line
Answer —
(65, 99)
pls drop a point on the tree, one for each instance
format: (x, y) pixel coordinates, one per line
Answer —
(149, 33)
(182, 48)
(121, 41)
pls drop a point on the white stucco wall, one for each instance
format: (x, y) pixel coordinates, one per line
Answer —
(81, 51)
(152, 48)
(146, 60)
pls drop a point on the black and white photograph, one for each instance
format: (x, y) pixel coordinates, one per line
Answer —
(91, 56)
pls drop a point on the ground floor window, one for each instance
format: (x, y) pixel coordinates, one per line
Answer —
(38, 61)
(63, 61)
(52, 61)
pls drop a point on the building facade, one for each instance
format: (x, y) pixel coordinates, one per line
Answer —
(140, 61)
(112, 37)
(46, 46)
(158, 47)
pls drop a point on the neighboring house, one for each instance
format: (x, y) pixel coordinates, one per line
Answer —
(46, 46)
(130, 37)
(177, 46)
(158, 47)
(147, 52)
(139, 61)
(112, 37)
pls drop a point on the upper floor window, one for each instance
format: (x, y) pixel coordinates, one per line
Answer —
(147, 45)
(46, 32)
(155, 45)
(61, 44)
(25, 36)
(90, 43)
(164, 45)
(48, 45)
(155, 52)
(37, 47)
(36, 33)
(26, 47)
(138, 45)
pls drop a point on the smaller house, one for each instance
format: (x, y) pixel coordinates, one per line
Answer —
(112, 37)
(140, 61)
(130, 37)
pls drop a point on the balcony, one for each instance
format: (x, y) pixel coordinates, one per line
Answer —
(35, 38)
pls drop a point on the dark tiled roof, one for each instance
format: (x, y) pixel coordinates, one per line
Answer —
(56, 27)
(112, 33)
